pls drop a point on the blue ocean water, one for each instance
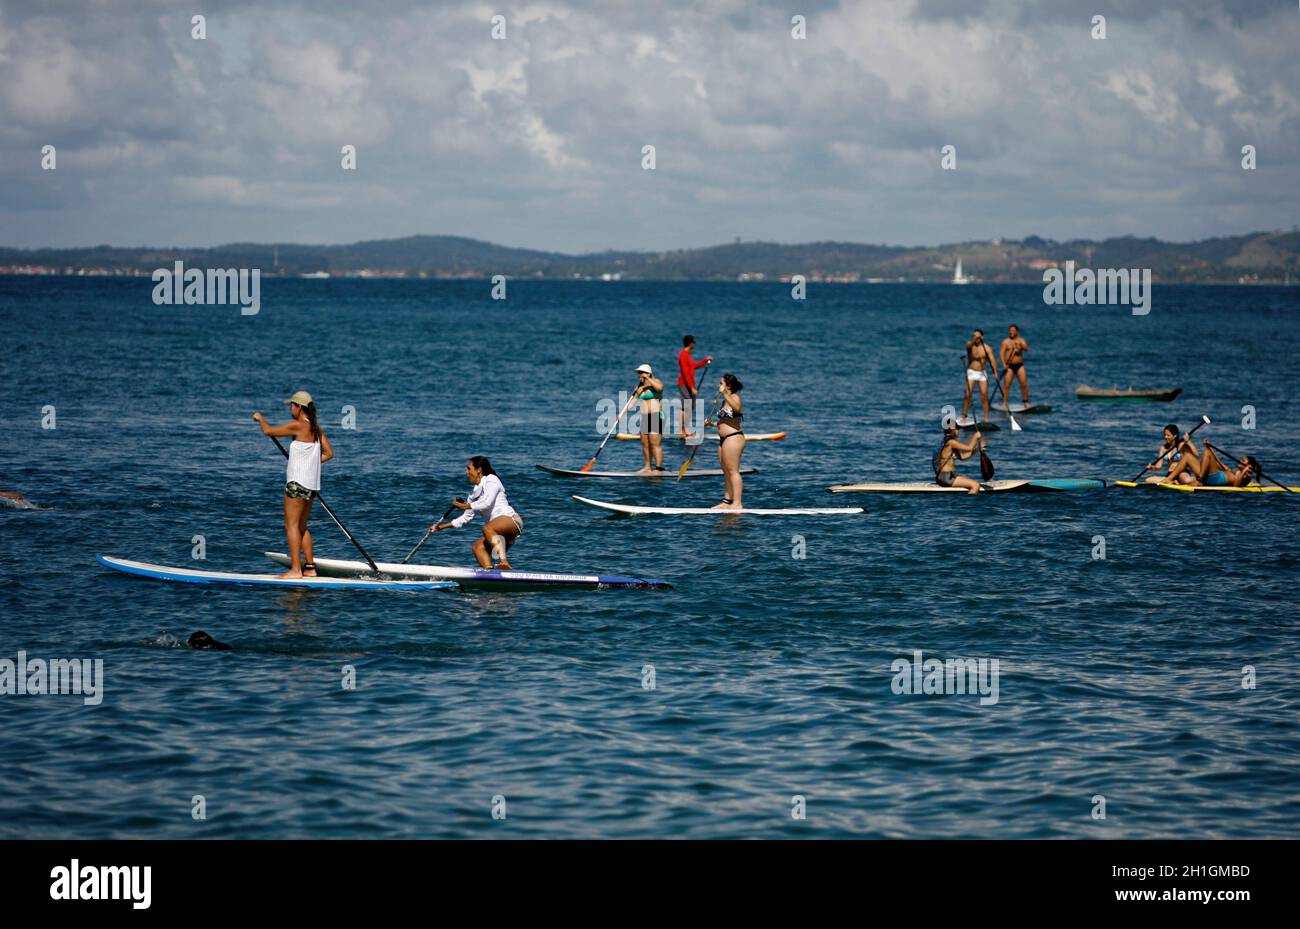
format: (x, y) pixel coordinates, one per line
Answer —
(1119, 678)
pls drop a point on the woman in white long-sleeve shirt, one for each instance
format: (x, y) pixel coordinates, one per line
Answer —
(502, 525)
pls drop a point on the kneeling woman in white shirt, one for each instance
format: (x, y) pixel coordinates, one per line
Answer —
(488, 500)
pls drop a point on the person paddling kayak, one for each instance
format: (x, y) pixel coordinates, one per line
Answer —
(944, 460)
(686, 368)
(650, 391)
(731, 441)
(502, 525)
(308, 450)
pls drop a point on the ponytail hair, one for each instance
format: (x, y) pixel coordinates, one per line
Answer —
(481, 463)
(311, 418)
(733, 383)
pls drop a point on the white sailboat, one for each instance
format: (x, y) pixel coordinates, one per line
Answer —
(958, 277)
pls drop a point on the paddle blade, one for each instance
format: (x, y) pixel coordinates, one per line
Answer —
(589, 465)
(986, 467)
(1015, 426)
(681, 472)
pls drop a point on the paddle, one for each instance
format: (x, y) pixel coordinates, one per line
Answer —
(986, 464)
(612, 429)
(699, 382)
(1240, 462)
(695, 451)
(1205, 421)
(429, 531)
(1015, 426)
(316, 493)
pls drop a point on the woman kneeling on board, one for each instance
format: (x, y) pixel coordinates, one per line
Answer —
(301, 478)
(488, 499)
(944, 460)
(731, 441)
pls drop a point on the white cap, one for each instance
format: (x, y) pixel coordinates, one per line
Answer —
(646, 369)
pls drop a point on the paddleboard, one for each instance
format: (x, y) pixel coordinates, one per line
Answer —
(713, 436)
(626, 510)
(1251, 489)
(669, 473)
(194, 576)
(477, 578)
(1019, 408)
(1045, 486)
(969, 422)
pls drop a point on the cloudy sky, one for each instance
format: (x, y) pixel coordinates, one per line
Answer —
(536, 140)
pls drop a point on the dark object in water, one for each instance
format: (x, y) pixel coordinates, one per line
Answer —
(201, 639)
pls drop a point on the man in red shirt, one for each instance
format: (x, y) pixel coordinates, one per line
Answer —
(686, 368)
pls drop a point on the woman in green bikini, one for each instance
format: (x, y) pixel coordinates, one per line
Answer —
(650, 391)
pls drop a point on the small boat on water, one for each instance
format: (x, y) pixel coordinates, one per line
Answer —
(1114, 394)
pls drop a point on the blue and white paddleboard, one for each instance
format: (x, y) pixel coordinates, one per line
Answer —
(194, 576)
(1015, 486)
(477, 578)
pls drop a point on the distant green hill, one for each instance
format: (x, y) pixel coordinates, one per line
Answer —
(1263, 256)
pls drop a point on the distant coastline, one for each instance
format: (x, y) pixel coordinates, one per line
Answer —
(1255, 258)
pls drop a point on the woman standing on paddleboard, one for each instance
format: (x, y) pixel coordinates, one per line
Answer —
(650, 391)
(307, 451)
(503, 526)
(731, 441)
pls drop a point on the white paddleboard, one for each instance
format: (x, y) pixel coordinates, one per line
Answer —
(194, 576)
(653, 476)
(478, 577)
(627, 510)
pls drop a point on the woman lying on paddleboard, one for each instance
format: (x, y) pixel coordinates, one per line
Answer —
(503, 526)
(301, 477)
(650, 391)
(731, 441)
(944, 460)
(1206, 469)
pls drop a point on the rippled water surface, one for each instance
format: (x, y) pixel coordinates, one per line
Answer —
(772, 675)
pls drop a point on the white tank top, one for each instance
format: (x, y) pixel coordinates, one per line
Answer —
(304, 464)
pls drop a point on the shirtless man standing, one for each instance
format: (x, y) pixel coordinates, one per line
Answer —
(1012, 354)
(978, 352)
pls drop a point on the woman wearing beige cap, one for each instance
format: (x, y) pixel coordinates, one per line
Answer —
(650, 391)
(302, 478)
